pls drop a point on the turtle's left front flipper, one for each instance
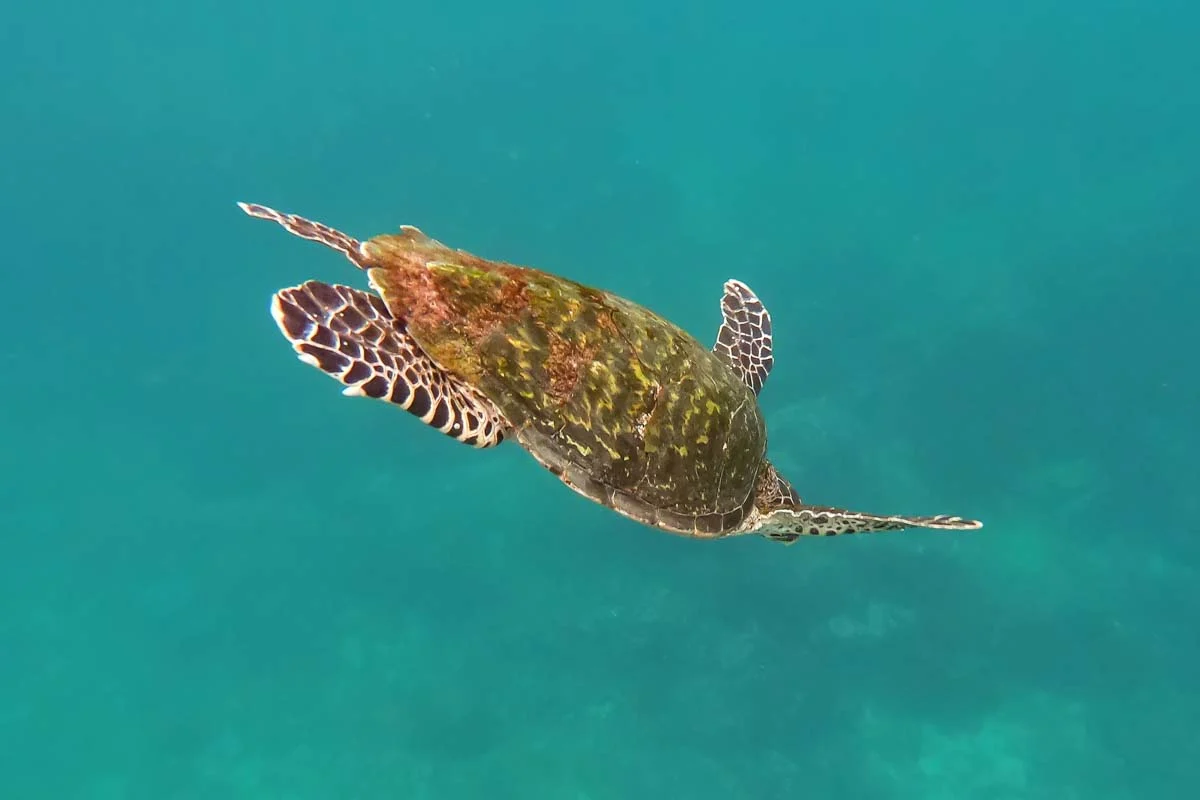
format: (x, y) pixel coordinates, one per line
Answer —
(789, 524)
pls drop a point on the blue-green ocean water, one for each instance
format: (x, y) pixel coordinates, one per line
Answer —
(975, 225)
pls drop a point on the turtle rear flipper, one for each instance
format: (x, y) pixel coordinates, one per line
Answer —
(789, 524)
(351, 336)
(345, 244)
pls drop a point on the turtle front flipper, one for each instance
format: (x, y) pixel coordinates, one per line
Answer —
(789, 524)
(744, 339)
(351, 336)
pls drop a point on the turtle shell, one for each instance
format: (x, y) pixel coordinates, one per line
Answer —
(625, 407)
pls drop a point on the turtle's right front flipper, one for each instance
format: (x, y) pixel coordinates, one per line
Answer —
(351, 336)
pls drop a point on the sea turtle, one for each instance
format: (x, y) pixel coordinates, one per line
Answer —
(624, 407)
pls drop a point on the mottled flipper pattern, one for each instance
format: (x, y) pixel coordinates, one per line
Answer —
(744, 339)
(789, 524)
(348, 246)
(351, 336)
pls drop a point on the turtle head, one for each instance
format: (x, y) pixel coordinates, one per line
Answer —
(784, 518)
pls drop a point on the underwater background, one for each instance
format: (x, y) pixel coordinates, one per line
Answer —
(975, 225)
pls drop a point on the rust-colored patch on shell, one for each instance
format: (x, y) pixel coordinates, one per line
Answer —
(397, 267)
(507, 300)
(450, 299)
(566, 365)
(411, 294)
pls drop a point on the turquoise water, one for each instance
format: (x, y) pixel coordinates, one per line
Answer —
(974, 223)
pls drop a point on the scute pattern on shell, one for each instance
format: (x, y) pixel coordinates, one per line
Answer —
(629, 400)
